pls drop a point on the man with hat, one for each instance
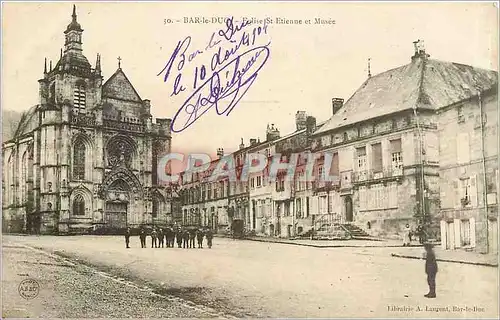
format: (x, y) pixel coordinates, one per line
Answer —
(431, 269)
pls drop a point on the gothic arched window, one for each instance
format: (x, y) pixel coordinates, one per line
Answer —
(79, 97)
(79, 160)
(52, 93)
(24, 176)
(79, 205)
(156, 208)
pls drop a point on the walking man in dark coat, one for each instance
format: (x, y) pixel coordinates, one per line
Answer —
(127, 238)
(199, 237)
(160, 238)
(142, 236)
(209, 235)
(178, 237)
(431, 269)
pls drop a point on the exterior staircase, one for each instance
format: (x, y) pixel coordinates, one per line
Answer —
(356, 232)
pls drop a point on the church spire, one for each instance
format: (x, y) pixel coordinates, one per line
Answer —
(74, 25)
(73, 34)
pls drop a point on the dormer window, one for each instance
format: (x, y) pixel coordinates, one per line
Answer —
(79, 96)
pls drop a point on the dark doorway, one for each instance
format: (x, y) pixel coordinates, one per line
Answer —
(115, 216)
(348, 209)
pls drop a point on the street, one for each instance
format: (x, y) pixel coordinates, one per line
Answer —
(235, 278)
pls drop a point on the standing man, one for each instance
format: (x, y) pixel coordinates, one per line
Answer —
(199, 237)
(192, 236)
(127, 238)
(178, 237)
(169, 234)
(160, 238)
(185, 238)
(142, 236)
(153, 238)
(209, 236)
(431, 269)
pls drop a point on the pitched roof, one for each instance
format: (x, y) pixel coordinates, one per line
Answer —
(118, 86)
(21, 124)
(423, 83)
(10, 122)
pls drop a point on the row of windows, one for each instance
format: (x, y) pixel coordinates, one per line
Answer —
(378, 196)
(377, 155)
(328, 140)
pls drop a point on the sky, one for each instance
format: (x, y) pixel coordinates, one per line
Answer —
(308, 65)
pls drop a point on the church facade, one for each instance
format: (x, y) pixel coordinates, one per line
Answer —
(85, 157)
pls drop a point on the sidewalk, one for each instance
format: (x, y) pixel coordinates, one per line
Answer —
(326, 243)
(455, 256)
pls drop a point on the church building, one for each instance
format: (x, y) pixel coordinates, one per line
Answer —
(84, 158)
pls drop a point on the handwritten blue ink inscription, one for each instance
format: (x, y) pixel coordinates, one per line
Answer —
(237, 58)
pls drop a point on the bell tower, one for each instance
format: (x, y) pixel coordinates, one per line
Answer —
(73, 34)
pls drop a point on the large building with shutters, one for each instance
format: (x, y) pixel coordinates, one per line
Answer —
(417, 144)
(412, 146)
(85, 157)
(468, 158)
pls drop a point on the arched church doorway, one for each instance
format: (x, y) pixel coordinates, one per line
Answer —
(117, 200)
(348, 209)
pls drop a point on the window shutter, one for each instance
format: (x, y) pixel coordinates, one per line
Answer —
(314, 206)
(463, 148)
(443, 234)
(395, 145)
(456, 228)
(472, 223)
(377, 157)
(473, 191)
(457, 194)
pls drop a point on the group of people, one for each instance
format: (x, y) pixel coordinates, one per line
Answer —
(409, 234)
(184, 237)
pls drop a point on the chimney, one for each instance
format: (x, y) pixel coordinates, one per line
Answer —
(242, 145)
(310, 125)
(337, 103)
(300, 120)
(419, 50)
(220, 153)
(253, 142)
(272, 133)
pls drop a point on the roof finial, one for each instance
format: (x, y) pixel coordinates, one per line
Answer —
(369, 68)
(98, 64)
(45, 66)
(50, 68)
(74, 13)
(60, 55)
(119, 62)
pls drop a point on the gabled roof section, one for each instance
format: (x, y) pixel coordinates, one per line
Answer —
(423, 83)
(27, 123)
(445, 83)
(119, 87)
